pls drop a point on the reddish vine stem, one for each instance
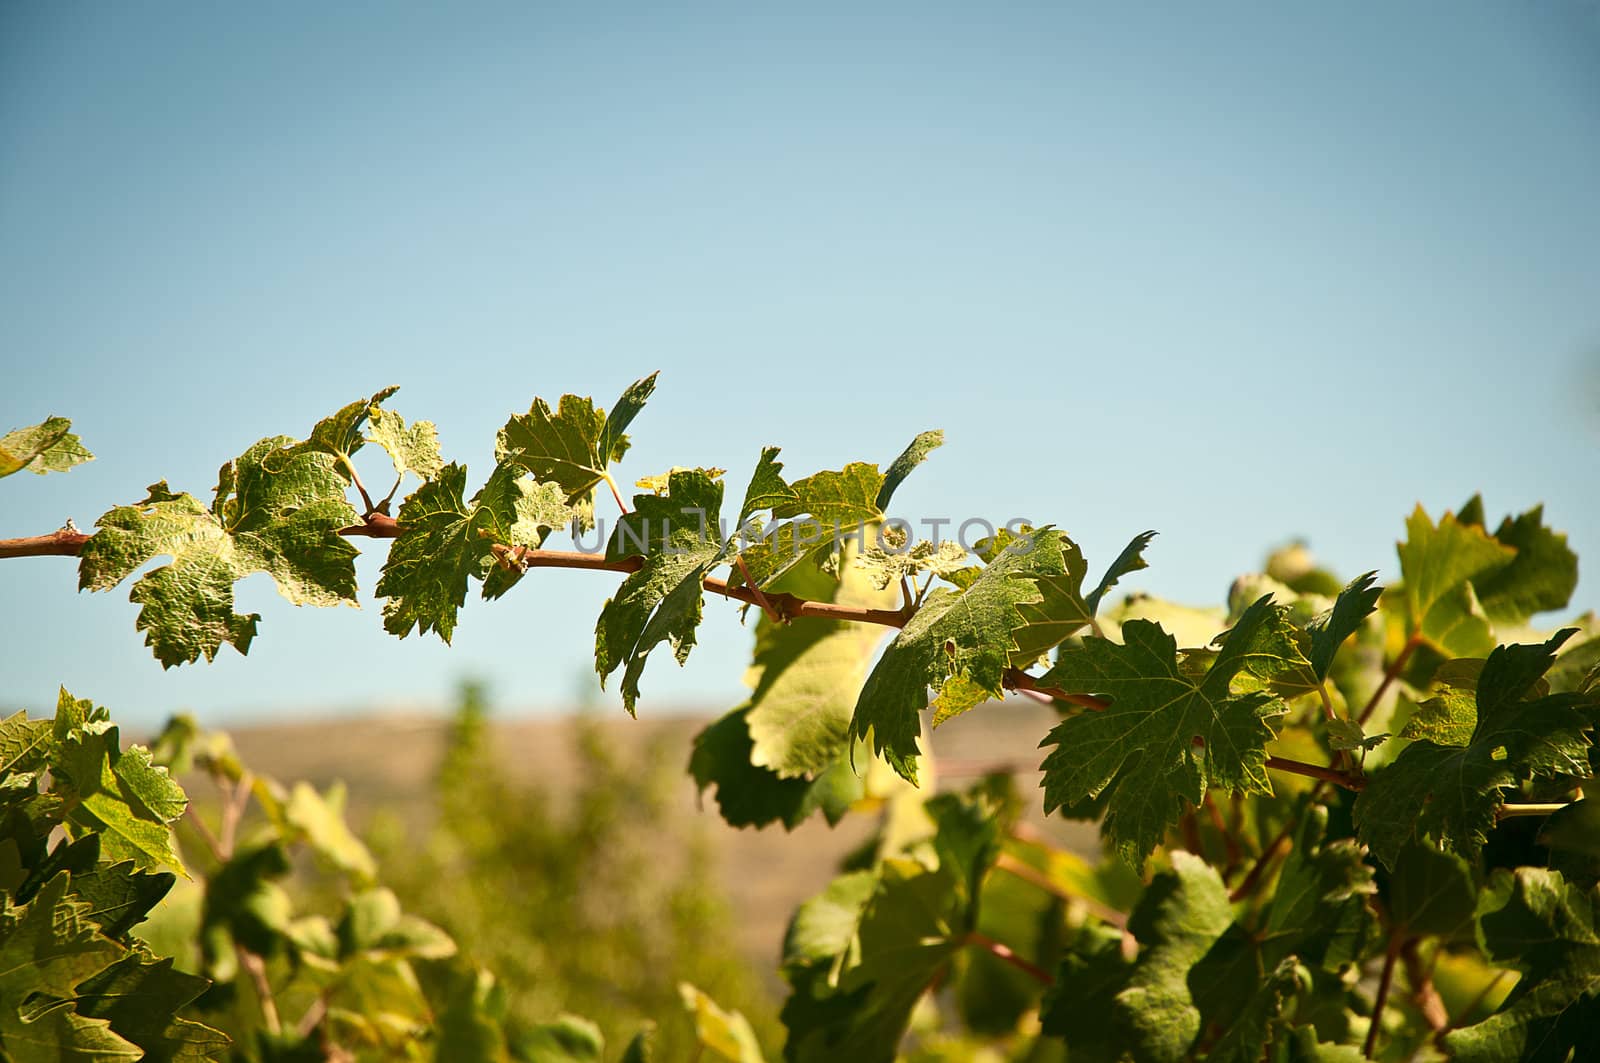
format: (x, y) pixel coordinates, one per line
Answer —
(1017, 679)
(355, 478)
(1385, 981)
(1327, 702)
(1423, 993)
(761, 599)
(313, 1016)
(971, 768)
(1191, 835)
(1317, 771)
(206, 836)
(221, 849)
(1004, 952)
(781, 606)
(1390, 674)
(256, 968)
(1252, 877)
(233, 811)
(1512, 811)
(615, 493)
(63, 543)
(68, 543)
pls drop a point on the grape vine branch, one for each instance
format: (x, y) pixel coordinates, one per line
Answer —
(782, 606)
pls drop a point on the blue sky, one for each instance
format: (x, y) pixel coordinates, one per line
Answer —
(1238, 273)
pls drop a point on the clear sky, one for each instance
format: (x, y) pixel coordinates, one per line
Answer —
(1237, 273)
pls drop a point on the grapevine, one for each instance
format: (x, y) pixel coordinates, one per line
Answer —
(1344, 820)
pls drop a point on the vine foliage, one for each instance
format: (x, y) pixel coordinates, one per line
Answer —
(1340, 819)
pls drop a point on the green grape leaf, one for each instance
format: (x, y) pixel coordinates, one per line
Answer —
(339, 435)
(445, 541)
(638, 1050)
(823, 929)
(1060, 611)
(1454, 792)
(1081, 1007)
(811, 518)
(1347, 734)
(861, 954)
(1439, 566)
(804, 677)
(846, 496)
(658, 484)
(57, 1032)
(960, 643)
(663, 600)
(244, 901)
(119, 895)
(1166, 737)
(140, 997)
(614, 442)
(468, 1025)
(569, 1039)
(719, 1034)
(752, 796)
(277, 510)
(1546, 928)
(25, 745)
(413, 449)
(1131, 560)
(574, 445)
(1252, 1029)
(521, 512)
(915, 454)
(42, 448)
(1271, 657)
(125, 835)
(1447, 719)
(425, 575)
(767, 489)
(1573, 836)
(1328, 631)
(1303, 1047)
(48, 945)
(905, 940)
(120, 793)
(1319, 910)
(319, 819)
(1144, 1009)
(1318, 917)
(374, 926)
(1541, 577)
(814, 515)
(144, 785)
(1431, 893)
(886, 567)
(859, 957)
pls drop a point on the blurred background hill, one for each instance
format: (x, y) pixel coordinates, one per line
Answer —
(389, 764)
